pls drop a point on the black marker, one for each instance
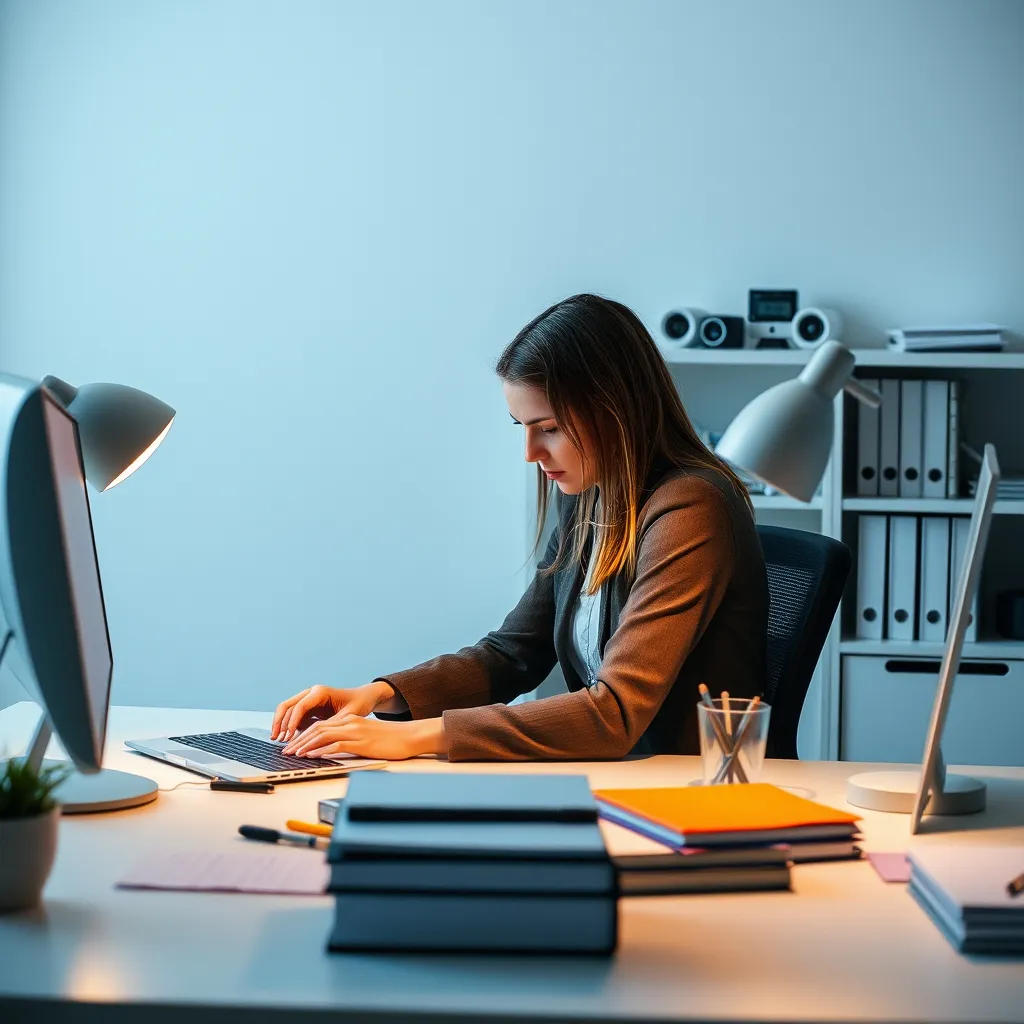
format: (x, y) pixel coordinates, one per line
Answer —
(271, 835)
(225, 786)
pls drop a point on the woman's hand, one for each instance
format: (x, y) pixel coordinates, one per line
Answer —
(363, 737)
(300, 711)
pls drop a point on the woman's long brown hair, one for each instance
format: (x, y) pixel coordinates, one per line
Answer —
(604, 377)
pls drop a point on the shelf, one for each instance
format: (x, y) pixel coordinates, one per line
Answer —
(938, 506)
(783, 501)
(996, 648)
(866, 358)
(883, 357)
(736, 356)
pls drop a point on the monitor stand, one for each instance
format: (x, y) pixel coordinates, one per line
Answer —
(897, 791)
(105, 790)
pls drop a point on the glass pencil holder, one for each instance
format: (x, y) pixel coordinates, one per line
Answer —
(733, 737)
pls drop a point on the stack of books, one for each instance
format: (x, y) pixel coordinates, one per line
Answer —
(744, 829)
(471, 863)
(968, 892)
(1008, 488)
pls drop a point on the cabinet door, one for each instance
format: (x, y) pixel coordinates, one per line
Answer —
(887, 703)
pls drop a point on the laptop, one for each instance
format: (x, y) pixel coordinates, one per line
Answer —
(245, 755)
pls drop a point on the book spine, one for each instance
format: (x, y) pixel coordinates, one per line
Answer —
(953, 469)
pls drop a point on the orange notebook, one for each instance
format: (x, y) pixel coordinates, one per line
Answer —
(723, 815)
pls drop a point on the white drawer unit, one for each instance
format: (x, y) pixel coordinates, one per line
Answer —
(887, 703)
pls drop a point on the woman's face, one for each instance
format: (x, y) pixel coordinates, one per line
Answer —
(546, 443)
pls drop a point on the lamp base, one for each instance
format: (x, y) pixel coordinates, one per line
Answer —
(107, 790)
(896, 791)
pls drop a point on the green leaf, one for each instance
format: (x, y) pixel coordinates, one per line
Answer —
(25, 792)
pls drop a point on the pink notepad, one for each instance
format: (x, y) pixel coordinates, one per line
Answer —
(283, 870)
(891, 867)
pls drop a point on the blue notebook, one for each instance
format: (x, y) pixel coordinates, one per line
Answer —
(429, 796)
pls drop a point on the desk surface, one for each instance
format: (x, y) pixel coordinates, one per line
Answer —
(843, 946)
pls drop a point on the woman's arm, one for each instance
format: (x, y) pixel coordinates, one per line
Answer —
(685, 560)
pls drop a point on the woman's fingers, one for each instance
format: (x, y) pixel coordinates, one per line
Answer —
(335, 749)
(291, 719)
(302, 740)
(320, 733)
(277, 726)
(296, 714)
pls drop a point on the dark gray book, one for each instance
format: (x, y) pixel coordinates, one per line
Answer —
(709, 879)
(429, 796)
(455, 923)
(467, 840)
(485, 875)
(327, 809)
(694, 859)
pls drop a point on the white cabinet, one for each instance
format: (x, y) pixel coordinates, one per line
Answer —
(887, 702)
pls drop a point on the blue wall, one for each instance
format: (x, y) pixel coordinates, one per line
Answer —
(311, 227)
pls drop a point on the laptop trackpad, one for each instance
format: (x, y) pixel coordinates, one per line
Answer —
(192, 754)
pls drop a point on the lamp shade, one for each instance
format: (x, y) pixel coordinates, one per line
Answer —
(119, 427)
(784, 436)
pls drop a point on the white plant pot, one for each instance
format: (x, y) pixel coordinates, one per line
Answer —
(27, 849)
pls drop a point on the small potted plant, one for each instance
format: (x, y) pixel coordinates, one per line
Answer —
(28, 830)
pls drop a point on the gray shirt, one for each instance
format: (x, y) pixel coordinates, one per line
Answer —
(585, 652)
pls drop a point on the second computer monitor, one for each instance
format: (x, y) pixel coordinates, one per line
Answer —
(55, 628)
(938, 792)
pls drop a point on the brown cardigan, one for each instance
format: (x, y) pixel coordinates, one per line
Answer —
(697, 611)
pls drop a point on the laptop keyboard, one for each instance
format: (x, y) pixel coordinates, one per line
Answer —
(236, 746)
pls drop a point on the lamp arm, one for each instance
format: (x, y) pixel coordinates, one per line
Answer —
(44, 730)
(61, 390)
(862, 393)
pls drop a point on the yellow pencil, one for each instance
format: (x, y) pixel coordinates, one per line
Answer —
(309, 827)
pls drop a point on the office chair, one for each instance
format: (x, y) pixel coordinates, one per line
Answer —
(807, 574)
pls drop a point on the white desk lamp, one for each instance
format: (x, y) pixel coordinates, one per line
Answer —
(784, 437)
(118, 427)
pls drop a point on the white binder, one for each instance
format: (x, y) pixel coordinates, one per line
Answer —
(934, 577)
(867, 447)
(872, 534)
(958, 547)
(935, 459)
(901, 615)
(889, 439)
(911, 426)
(953, 430)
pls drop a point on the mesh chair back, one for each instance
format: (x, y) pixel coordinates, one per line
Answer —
(807, 574)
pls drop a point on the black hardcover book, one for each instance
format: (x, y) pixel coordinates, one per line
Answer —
(426, 796)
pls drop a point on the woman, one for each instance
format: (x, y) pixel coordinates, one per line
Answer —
(652, 583)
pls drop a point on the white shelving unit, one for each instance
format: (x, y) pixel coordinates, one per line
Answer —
(782, 502)
(995, 649)
(867, 358)
(934, 506)
(715, 384)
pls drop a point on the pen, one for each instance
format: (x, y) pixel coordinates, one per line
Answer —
(728, 729)
(724, 741)
(271, 835)
(1016, 886)
(312, 828)
(741, 733)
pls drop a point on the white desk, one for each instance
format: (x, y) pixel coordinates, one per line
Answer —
(843, 946)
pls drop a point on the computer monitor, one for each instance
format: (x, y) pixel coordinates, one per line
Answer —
(54, 629)
(939, 792)
(932, 790)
